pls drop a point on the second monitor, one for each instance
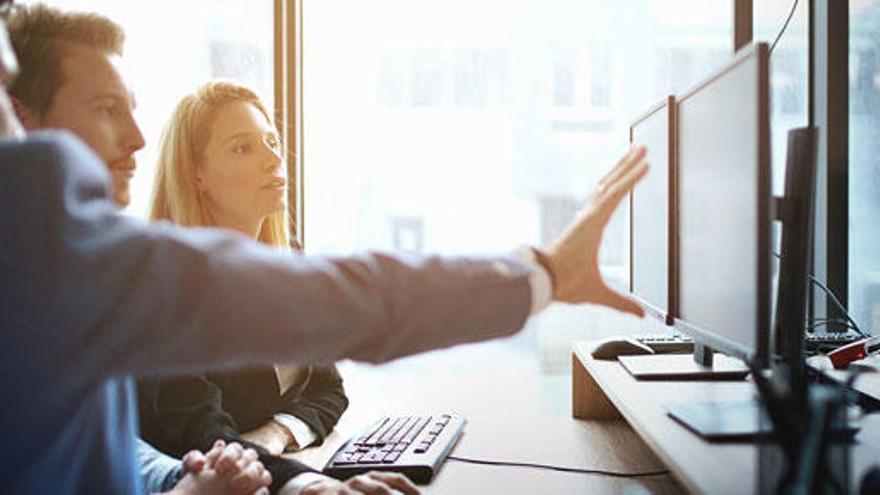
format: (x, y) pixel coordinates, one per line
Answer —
(651, 209)
(719, 275)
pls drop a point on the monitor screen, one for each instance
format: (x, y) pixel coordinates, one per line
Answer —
(723, 208)
(650, 213)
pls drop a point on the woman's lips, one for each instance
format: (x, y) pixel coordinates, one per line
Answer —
(125, 167)
(276, 183)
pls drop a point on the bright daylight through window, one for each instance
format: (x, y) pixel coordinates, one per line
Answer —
(460, 127)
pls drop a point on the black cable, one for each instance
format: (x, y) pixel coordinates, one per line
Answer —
(838, 305)
(784, 27)
(602, 472)
(815, 281)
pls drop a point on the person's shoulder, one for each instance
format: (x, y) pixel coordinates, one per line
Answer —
(52, 157)
(50, 145)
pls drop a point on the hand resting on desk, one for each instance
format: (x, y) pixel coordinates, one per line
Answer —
(373, 483)
(225, 469)
(272, 436)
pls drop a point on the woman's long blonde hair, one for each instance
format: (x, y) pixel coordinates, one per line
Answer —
(175, 195)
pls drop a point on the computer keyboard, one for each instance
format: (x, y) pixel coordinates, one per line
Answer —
(667, 344)
(415, 446)
(815, 342)
(828, 341)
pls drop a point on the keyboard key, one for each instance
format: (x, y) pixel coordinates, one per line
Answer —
(372, 457)
(404, 429)
(412, 433)
(344, 460)
(390, 431)
(391, 457)
(374, 437)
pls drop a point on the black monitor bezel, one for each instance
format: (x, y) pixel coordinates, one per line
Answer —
(760, 354)
(651, 308)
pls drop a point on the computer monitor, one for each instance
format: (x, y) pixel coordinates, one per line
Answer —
(796, 211)
(724, 215)
(721, 224)
(651, 210)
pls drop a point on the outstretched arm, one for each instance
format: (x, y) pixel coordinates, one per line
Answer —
(150, 298)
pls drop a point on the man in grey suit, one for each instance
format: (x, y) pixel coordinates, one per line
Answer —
(89, 295)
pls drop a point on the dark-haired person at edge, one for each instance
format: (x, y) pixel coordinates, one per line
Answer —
(224, 468)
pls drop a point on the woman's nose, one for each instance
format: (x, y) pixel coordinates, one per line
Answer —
(273, 157)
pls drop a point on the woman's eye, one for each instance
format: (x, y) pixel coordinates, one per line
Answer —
(240, 149)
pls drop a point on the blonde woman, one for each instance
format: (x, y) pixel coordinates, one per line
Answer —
(220, 165)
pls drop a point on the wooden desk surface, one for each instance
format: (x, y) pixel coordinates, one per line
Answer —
(514, 413)
(605, 389)
(698, 465)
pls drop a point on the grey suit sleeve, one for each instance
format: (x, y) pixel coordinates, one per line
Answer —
(159, 472)
(156, 298)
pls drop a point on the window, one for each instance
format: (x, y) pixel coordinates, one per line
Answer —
(864, 153)
(460, 127)
(169, 55)
(789, 77)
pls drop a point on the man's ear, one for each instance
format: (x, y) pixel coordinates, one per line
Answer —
(29, 117)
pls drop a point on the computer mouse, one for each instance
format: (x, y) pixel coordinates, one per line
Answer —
(611, 347)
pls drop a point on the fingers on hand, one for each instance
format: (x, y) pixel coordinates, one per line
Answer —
(368, 485)
(249, 479)
(249, 456)
(627, 181)
(609, 202)
(213, 454)
(633, 156)
(397, 481)
(613, 299)
(228, 461)
(194, 461)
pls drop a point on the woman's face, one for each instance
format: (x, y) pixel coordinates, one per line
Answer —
(240, 173)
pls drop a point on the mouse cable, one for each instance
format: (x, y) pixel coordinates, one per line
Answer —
(784, 26)
(602, 472)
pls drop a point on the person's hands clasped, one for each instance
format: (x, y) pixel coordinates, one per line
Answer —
(229, 469)
(372, 483)
(573, 257)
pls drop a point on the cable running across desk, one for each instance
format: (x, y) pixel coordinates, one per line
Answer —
(602, 472)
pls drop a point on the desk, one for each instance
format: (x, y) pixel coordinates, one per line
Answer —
(605, 390)
(514, 412)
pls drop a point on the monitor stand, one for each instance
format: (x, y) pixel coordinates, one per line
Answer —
(703, 364)
(733, 420)
(723, 421)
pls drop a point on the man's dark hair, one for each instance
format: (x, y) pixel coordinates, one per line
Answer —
(39, 36)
